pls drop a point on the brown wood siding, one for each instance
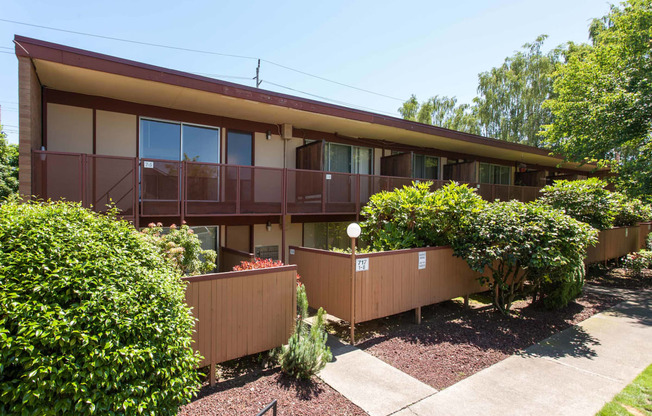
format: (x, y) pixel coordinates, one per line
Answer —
(397, 165)
(465, 172)
(614, 243)
(327, 277)
(393, 283)
(241, 313)
(311, 156)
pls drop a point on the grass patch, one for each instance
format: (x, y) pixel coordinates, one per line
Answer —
(635, 399)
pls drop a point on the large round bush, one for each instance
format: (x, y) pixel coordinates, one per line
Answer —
(92, 318)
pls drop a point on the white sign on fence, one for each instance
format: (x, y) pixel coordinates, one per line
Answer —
(361, 265)
(292, 251)
(148, 164)
(422, 260)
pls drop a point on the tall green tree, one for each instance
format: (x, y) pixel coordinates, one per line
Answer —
(443, 112)
(8, 167)
(510, 97)
(509, 105)
(603, 103)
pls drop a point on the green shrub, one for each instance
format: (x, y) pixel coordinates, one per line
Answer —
(586, 200)
(306, 352)
(648, 241)
(415, 217)
(182, 247)
(636, 262)
(521, 243)
(630, 212)
(93, 320)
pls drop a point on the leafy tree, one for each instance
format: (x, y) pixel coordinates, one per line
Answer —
(93, 321)
(603, 102)
(510, 97)
(413, 216)
(8, 167)
(441, 111)
(518, 243)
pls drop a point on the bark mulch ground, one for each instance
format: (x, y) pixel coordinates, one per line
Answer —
(599, 275)
(245, 387)
(453, 343)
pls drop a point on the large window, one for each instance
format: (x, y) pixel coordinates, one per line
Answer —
(425, 167)
(347, 159)
(495, 174)
(178, 141)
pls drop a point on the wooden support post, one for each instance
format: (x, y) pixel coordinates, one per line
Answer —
(417, 315)
(212, 369)
(466, 301)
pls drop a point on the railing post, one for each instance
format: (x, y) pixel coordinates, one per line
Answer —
(357, 198)
(82, 174)
(136, 193)
(237, 189)
(182, 190)
(323, 192)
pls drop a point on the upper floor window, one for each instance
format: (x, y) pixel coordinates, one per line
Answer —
(178, 141)
(347, 159)
(425, 167)
(495, 174)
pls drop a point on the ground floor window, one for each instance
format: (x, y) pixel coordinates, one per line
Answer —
(208, 235)
(326, 235)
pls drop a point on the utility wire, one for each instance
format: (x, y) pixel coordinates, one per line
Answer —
(328, 99)
(157, 45)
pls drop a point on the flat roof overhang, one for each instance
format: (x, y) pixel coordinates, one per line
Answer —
(75, 70)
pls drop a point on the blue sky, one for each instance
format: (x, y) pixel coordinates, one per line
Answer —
(393, 48)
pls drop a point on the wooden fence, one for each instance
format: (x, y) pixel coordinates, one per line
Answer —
(241, 313)
(394, 281)
(644, 228)
(230, 257)
(614, 243)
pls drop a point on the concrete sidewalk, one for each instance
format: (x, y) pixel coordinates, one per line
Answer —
(574, 372)
(373, 385)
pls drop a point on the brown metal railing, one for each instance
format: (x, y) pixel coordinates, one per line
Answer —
(195, 189)
(95, 181)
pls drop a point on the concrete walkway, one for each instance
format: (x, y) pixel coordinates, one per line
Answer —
(574, 372)
(375, 386)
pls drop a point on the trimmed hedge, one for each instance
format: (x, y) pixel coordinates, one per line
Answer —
(93, 319)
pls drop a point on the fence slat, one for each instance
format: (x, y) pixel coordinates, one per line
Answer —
(241, 313)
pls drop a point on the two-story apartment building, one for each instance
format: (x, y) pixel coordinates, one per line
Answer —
(252, 170)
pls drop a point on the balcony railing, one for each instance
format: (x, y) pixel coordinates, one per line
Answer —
(166, 188)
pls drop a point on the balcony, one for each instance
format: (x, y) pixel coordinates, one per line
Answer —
(154, 188)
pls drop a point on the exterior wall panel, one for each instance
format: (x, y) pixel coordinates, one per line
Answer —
(115, 134)
(69, 129)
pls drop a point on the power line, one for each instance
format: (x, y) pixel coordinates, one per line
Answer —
(328, 99)
(334, 82)
(157, 45)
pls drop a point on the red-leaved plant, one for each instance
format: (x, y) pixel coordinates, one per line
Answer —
(261, 264)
